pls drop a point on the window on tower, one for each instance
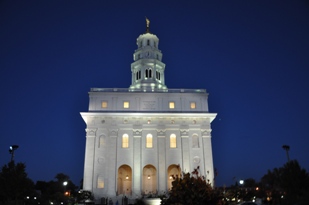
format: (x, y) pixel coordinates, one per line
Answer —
(158, 75)
(172, 105)
(173, 142)
(149, 141)
(192, 105)
(148, 73)
(125, 141)
(148, 42)
(104, 104)
(126, 104)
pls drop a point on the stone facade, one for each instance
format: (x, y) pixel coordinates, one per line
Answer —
(138, 137)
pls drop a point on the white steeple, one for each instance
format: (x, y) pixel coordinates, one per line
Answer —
(147, 68)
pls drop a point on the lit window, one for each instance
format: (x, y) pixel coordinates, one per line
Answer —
(100, 184)
(104, 104)
(172, 105)
(125, 141)
(149, 141)
(101, 141)
(126, 104)
(192, 105)
(173, 141)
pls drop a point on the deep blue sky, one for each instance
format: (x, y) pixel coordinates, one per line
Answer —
(251, 56)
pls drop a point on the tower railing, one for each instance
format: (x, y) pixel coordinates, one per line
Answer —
(155, 91)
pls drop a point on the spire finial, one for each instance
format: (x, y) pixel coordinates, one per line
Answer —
(147, 25)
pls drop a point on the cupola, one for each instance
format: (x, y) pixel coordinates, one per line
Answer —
(148, 68)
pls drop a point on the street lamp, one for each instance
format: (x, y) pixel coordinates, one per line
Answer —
(241, 182)
(12, 150)
(287, 148)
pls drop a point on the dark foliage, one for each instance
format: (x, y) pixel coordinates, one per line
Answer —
(15, 185)
(189, 189)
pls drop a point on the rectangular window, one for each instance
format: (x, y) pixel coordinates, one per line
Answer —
(126, 104)
(100, 184)
(104, 104)
(192, 105)
(172, 105)
(173, 142)
(125, 141)
(149, 141)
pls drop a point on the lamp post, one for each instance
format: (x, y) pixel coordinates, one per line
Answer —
(287, 148)
(12, 150)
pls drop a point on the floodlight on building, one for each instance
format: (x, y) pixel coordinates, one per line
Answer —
(148, 177)
(241, 182)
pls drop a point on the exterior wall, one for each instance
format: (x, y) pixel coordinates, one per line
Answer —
(149, 102)
(104, 152)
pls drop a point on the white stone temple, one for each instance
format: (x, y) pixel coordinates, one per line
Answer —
(138, 137)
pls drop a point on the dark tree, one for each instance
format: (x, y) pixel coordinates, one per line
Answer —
(189, 189)
(289, 181)
(15, 185)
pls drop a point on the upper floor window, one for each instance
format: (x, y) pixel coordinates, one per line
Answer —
(148, 73)
(158, 75)
(125, 141)
(104, 104)
(192, 105)
(173, 143)
(126, 104)
(172, 105)
(138, 75)
(149, 141)
(148, 42)
(195, 141)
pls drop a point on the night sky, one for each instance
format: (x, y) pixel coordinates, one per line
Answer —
(252, 57)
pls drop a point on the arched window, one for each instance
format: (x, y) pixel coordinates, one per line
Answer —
(195, 141)
(149, 141)
(125, 141)
(146, 73)
(148, 42)
(150, 73)
(173, 143)
(158, 75)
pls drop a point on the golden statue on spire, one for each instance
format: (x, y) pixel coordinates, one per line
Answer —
(147, 25)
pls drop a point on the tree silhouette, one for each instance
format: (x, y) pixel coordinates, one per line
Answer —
(15, 185)
(289, 181)
(189, 189)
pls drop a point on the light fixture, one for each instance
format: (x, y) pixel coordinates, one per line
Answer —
(127, 177)
(148, 177)
(171, 177)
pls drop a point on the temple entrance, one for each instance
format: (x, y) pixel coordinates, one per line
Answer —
(149, 180)
(173, 170)
(124, 180)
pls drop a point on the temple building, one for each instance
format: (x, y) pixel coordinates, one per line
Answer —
(138, 137)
